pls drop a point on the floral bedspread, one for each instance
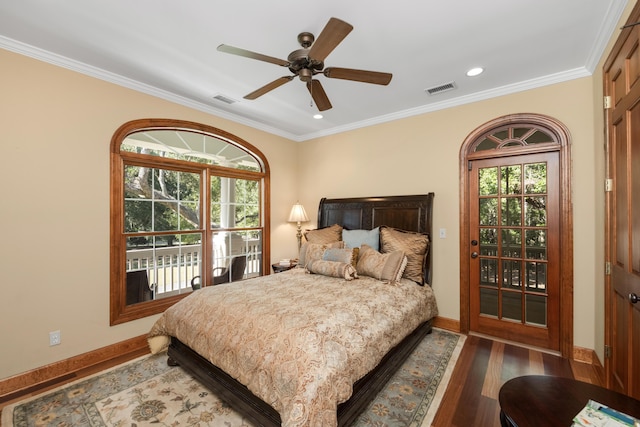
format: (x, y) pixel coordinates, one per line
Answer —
(298, 341)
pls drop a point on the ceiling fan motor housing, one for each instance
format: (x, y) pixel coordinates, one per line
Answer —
(303, 66)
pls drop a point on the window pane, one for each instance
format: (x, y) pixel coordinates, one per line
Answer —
(165, 217)
(247, 212)
(190, 146)
(235, 203)
(227, 245)
(160, 200)
(171, 262)
(137, 216)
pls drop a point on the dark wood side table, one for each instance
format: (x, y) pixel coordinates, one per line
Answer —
(279, 268)
(538, 400)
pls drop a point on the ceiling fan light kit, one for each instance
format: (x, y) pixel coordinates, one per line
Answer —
(307, 62)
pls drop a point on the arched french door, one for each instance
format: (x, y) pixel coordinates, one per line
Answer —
(516, 232)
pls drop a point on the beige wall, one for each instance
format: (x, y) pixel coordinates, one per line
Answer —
(421, 154)
(54, 169)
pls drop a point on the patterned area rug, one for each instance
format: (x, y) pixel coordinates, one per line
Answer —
(147, 392)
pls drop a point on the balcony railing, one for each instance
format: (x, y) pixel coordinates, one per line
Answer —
(170, 269)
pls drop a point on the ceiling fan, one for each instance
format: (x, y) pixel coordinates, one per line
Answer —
(309, 61)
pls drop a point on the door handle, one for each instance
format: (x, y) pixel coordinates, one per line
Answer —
(475, 255)
(633, 298)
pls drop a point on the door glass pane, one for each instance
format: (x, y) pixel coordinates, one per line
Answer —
(535, 211)
(536, 276)
(489, 272)
(510, 179)
(489, 211)
(535, 178)
(536, 309)
(511, 274)
(511, 242)
(536, 244)
(488, 178)
(539, 137)
(489, 302)
(511, 210)
(512, 305)
(488, 242)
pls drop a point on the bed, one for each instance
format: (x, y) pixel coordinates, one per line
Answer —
(321, 376)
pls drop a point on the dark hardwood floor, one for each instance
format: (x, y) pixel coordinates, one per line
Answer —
(471, 398)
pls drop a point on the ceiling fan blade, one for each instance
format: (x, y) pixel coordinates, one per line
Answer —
(269, 87)
(319, 95)
(253, 55)
(330, 37)
(363, 76)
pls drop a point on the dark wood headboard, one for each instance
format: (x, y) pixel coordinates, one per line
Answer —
(411, 213)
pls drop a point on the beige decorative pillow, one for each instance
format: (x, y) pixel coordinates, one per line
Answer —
(348, 255)
(414, 245)
(387, 267)
(324, 235)
(342, 270)
(310, 251)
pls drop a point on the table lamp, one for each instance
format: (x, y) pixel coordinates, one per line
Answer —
(298, 215)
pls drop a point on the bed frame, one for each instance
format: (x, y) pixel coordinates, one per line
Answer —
(412, 213)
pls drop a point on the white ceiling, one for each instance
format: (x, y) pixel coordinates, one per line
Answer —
(167, 48)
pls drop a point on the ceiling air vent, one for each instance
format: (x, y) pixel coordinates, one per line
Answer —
(441, 88)
(224, 99)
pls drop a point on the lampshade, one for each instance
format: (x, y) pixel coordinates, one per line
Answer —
(298, 214)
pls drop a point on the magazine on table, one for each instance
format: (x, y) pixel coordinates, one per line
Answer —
(596, 414)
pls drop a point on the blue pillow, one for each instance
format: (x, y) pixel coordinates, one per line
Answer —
(357, 238)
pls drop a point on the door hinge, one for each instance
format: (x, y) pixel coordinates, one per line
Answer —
(469, 165)
(607, 352)
(608, 184)
(607, 102)
(607, 268)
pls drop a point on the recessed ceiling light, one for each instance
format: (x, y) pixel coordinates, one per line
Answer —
(317, 116)
(475, 71)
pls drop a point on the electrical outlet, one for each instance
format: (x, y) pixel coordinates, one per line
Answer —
(443, 233)
(54, 338)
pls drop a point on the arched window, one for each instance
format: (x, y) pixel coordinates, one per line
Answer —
(186, 200)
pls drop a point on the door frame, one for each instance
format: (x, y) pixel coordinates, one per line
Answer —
(563, 145)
